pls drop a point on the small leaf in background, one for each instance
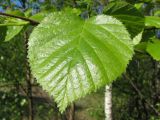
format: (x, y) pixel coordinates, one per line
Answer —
(15, 12)
(152, 21)
(138, 6)
(128, 14)
(28, 12)
(39, 16)
(12, 31)
(14, 27)
(137, 38)
(72, 57)
(157, 13)
(153, 48)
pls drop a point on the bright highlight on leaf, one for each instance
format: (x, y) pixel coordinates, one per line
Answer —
(71, 57)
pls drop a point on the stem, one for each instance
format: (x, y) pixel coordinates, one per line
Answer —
(32, 22)
(28, 81)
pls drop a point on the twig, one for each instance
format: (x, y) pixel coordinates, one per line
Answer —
(32, 22)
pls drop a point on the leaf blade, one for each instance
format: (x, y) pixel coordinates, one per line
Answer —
(85, 57)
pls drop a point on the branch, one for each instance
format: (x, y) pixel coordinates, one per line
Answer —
(32, 22)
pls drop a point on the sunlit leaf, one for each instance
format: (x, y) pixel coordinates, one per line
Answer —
(71, 57)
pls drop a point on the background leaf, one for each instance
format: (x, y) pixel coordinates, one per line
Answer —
(12, 31)
(128, 14)
(137, 39)
(153, 48)
(152, 21)
(10, 27)
(39, 16)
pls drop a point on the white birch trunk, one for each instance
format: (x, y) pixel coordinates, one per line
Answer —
(108, 102)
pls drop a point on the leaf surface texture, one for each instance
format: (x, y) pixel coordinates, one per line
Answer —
(71, 57)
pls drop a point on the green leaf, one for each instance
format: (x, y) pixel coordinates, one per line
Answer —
(157, 13)
(128, 14)
(153, 48)
(152, 21)
(71, 57)
(10, 27)
(14, 27)
(138, 6)
(39, 16)
(12, 31)
(137, 38)
(15, 12)
(28, 12)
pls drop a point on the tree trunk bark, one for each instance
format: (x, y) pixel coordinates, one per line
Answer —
(108, 102)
